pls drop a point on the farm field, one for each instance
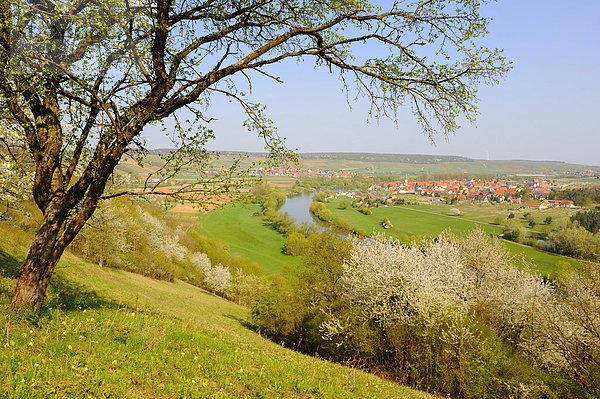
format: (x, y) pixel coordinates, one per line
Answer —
(248, 236)
(280, 181)
(429, 220)
(109, 333)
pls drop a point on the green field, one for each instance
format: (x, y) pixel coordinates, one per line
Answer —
(487, 213)
(248, 236)
(430, 220)
(253, 238)
(109, 333)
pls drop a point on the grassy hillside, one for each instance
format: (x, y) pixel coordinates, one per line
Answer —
(419, 163)
(430, 221)
(248, 236)
(109, 333)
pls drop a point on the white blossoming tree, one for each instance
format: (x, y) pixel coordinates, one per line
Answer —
(16, 176)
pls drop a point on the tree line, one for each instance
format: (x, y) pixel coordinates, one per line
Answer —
(581, 197)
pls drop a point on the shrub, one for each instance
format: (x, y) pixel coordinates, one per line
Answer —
(293, 312)
(513, 231)
(576, 242)
(278, 314)
(430, 300)
(320, 211)
(322, 196)
(455, 212)
(295, 244)
(282, 222)
(218, 253)
(567, 332)
(245, 289)
(386, 223)
(218, 279)
(364, 210)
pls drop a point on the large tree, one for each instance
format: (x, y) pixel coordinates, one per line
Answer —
(82, 78)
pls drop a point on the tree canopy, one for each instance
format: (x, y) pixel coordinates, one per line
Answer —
(81, 79)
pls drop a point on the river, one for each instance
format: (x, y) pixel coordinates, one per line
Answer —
(297, 207)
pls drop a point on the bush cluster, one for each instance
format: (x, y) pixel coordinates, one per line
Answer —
(365, 211)
(142, 238)
(575, 241)
(386, 223)
(320, 211)
(451, 315)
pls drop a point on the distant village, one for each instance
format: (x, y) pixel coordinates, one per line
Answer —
(533, 193)
(295, 172)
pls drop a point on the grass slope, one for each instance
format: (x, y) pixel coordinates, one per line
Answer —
(248, 236)
(430, 221)
(109, 333)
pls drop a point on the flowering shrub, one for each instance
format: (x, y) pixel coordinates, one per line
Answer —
(218, 278)
(451, 314)
(126, 235)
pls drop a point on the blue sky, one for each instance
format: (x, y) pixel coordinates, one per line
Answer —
(547, 108)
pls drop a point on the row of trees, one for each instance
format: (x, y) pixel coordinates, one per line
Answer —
(450, 315)
(581, 197)
(589, 220)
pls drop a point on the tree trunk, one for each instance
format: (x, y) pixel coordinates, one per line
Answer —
(34, 277)
(41, 260)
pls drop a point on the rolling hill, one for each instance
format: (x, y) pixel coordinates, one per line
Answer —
(367, 163)
(109, 333)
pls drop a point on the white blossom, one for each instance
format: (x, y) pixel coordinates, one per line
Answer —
(161, 239)
(440, 280)
(16, 179)
(218, 279)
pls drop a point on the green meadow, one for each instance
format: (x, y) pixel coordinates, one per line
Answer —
(430, 220)
(106, 333)
(254, 238)
(249, 236)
